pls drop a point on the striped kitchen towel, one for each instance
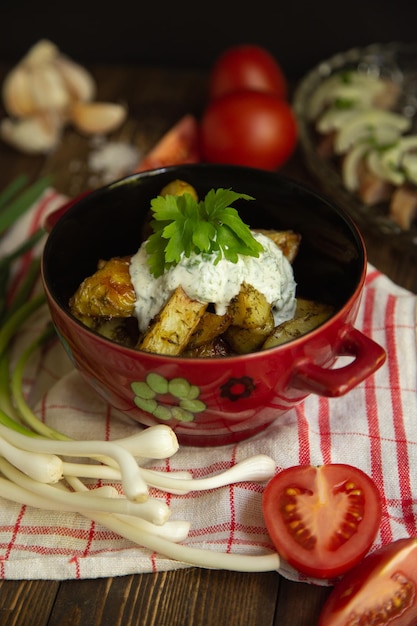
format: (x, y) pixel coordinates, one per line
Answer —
(373, 427)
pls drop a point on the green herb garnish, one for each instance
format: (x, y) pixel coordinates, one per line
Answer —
(183, 226)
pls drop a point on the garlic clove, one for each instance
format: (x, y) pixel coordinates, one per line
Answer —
(33, 135)
(17, 94)
(97, 118)
(79, 82)
(49, 91)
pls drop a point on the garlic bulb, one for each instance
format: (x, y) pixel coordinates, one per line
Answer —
(17, 96)
(44, 80)
(78, 80)
(42, 52)
(47, 90)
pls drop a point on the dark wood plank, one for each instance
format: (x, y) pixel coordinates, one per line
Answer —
(299, 604)
(26, 603)
(190, 596)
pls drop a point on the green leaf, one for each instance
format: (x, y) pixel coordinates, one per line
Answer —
(183, 226)
(203, 236)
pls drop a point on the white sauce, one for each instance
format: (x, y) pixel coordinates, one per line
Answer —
(271, 273)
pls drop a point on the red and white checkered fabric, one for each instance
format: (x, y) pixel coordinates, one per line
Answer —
(373, 427)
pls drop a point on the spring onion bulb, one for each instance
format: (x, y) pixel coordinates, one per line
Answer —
(172, 530)
(15, 493)
(104, 472)
(105, 491)
(155, 442)
(134, 486)
(45, 467)
(152, 510)
(257, 468)
(176, 530)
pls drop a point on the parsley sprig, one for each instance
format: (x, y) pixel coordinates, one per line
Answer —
(183, 226)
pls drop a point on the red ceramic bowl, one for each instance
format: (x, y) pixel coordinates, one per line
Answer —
(222, 400)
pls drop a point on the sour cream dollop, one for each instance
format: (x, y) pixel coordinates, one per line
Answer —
(270, 273)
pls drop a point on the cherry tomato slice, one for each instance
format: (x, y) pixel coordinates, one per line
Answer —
(382, 589)
(178, 145)
(322, 520)
(246, 67)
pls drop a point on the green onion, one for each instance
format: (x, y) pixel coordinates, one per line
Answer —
(12, 206)
(6, 420)
(25, 289)
(18, 206)
(12, 189)
(4, 281)
(16, 320)
(27, 245)
(16, 384)
(6, 404)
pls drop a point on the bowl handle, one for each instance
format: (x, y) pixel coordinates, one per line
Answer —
(368, 357)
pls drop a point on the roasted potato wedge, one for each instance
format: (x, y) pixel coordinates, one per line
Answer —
(246, 340)
(250, 308)
(208, 328)
(120, 329)
(287, 240)
(178, 187)
(172, 328)
(309, 314)
(251, 320)
(107, 293)
(216, 348)
(307, 307)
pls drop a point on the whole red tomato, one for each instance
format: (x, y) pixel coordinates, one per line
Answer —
(381, 589)
(248, 128)
(247, 67)
(322, 520)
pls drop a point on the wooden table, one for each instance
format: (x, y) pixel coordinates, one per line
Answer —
(194, 597)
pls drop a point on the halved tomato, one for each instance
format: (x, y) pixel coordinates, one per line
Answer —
(382, 589)
(322, 520)
(178, 145)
